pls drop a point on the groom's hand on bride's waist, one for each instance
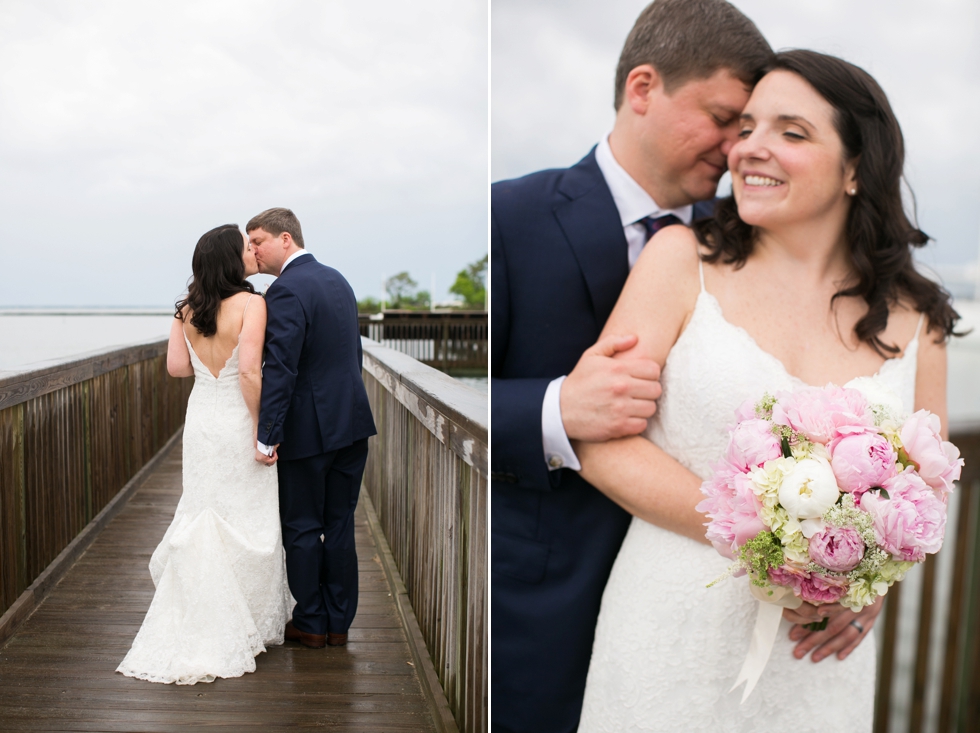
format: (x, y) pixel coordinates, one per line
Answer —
(606, 397)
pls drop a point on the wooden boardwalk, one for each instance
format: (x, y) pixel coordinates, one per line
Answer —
(57, 671)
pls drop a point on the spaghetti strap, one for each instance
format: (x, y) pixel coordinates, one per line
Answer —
(918, 329)
(701, 271)
(244, 311)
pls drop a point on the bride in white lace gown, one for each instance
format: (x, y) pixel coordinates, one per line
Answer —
(221, 593)
(728, 325)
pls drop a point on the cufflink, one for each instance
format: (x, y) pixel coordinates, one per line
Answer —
(556, 461)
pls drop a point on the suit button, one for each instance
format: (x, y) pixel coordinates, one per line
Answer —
(556, 461)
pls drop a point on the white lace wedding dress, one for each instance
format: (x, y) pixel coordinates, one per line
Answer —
(667, 649)
(220, 575)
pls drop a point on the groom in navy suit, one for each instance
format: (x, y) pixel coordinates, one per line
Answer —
(562, 244)
(315, 421)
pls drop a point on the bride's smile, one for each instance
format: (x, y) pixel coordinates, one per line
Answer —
(789, 165)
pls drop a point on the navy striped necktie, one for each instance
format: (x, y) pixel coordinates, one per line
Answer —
(654, 225)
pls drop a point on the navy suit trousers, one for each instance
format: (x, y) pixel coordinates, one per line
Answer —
(317, 498)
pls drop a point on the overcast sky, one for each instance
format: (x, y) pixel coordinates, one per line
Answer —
(553, 64)
(128, 129)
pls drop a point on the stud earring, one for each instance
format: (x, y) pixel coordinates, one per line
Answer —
(854, 192)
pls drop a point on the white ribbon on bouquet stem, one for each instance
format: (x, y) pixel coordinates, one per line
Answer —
(764, 634)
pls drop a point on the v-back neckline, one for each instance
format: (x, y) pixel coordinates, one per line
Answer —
(206, 367)
(911, 347)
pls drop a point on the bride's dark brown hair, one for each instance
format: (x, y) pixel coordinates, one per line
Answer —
(219, 273)
(879, 233)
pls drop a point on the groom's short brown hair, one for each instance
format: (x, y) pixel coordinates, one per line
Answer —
(691, 39)
(276, 221)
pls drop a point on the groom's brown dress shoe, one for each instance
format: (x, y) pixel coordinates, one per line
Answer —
(313, 641)
(336, 639)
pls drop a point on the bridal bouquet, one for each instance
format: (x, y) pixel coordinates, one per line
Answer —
(829, 494)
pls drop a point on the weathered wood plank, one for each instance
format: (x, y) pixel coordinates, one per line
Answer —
(72, 433)
(40, 379)
(426, 476)
(57, 671)
(27, 601)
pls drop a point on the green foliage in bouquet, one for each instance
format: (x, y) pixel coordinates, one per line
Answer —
(759, 554)
(763, 408)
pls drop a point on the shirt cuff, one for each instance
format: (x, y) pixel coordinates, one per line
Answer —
(558, 451)
(263, 448)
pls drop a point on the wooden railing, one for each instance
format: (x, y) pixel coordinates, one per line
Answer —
(453, 341)
(427, 478)
(71, 435)
(929, 633)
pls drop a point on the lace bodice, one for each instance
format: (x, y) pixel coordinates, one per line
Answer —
(714, 367)
(221, 592)
(667, 648)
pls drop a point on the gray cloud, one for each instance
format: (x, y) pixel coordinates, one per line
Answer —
(553, 64)
(128, 129)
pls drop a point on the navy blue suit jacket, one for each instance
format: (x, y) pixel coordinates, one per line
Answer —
(313, 396)
(559, 261)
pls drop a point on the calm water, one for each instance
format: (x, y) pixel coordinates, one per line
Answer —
(29, 339)
(480, 383)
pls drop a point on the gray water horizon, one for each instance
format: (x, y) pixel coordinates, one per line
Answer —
(30, 336)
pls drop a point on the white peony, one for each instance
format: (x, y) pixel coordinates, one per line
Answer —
(884, 402)
(810, 527)
(809, 489)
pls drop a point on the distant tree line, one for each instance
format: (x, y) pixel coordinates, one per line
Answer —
(402, 293)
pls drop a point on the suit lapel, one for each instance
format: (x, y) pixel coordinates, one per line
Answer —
(590, 221)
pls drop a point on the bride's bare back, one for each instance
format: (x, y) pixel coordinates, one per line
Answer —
(241, 322)
(215, 351)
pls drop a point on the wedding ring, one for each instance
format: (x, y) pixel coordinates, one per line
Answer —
(857, 626)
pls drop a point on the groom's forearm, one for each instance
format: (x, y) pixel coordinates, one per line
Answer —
(646, 482)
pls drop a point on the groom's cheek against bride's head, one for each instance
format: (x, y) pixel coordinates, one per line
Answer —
(681, 83)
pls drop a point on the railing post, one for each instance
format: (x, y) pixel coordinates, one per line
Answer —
(445, 343)
(969, 685)
(426, 477)
(87, 449)
(125, 416)
(20, 497)
(155, 390)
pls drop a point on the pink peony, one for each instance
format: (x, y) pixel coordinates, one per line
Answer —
(733, 508)
(752, 443)
(789, 576)
(911, 522)
(938, 462)
(819, 588)
(837, 548)
(823, 414)
(862, 460)
(746, 411)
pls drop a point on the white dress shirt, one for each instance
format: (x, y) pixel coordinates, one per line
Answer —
(292, 257)
(262, 447)
(633, 204)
